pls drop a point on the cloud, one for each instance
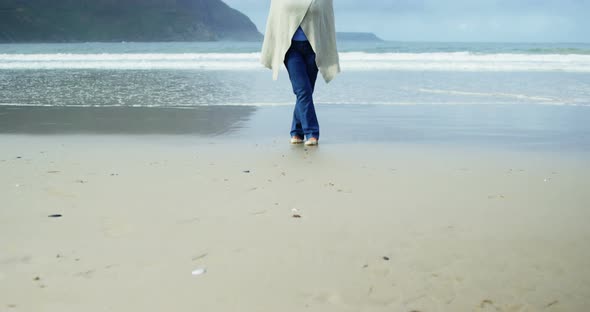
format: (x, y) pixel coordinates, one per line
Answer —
(454, 20)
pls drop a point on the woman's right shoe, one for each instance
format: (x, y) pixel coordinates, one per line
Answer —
(311, 142)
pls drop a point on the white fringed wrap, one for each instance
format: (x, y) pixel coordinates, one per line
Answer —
(316, 18)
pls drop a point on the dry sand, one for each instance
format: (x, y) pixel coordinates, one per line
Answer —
(382, 227)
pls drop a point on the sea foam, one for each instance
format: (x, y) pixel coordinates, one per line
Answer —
(353, 61)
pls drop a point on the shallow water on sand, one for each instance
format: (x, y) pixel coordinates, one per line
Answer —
(189, 88)
(528, 127)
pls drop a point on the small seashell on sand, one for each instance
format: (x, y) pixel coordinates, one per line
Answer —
(199, 271)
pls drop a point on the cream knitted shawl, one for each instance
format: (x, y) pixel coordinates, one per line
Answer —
(316, 18)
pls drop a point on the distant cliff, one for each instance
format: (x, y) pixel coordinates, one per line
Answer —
(357, 36)
(122, 20)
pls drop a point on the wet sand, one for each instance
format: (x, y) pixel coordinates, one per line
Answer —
(342, 227)
(511, 127)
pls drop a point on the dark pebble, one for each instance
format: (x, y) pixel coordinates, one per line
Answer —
(19, 157)
(246, 171)
(55, 216)
(386, 258)
(296, 216)
(37, 278)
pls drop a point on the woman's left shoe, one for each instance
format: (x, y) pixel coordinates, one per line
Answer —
(311, 142)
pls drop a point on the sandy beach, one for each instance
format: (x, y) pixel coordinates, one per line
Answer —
(151, 172)
(271, 227)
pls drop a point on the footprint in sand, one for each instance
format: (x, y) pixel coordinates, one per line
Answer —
(422, 303)
(113, 229)
(552, 303)
(326, 298)
(382, 296)
(16, 260)
(59, 193)
(199, 257)
(487, 305)
(85, 274)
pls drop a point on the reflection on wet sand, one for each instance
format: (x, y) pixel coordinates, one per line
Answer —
(202, 120)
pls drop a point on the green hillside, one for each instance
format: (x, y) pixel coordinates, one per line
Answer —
(122, 20)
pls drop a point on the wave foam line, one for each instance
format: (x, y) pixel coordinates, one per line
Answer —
(359, 61)
(281, 104)
(494, 94)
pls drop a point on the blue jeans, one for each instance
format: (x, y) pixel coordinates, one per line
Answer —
(303, 71)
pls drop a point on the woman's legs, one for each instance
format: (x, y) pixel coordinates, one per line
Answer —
(300, 63)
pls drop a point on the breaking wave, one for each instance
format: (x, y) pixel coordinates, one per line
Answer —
(353, 61)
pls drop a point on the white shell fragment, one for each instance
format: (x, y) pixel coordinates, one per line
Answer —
(199, 271)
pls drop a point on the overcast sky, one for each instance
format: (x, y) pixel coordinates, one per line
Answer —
(454, 20)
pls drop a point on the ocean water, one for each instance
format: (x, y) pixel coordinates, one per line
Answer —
(523, 89)
(229, 73)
